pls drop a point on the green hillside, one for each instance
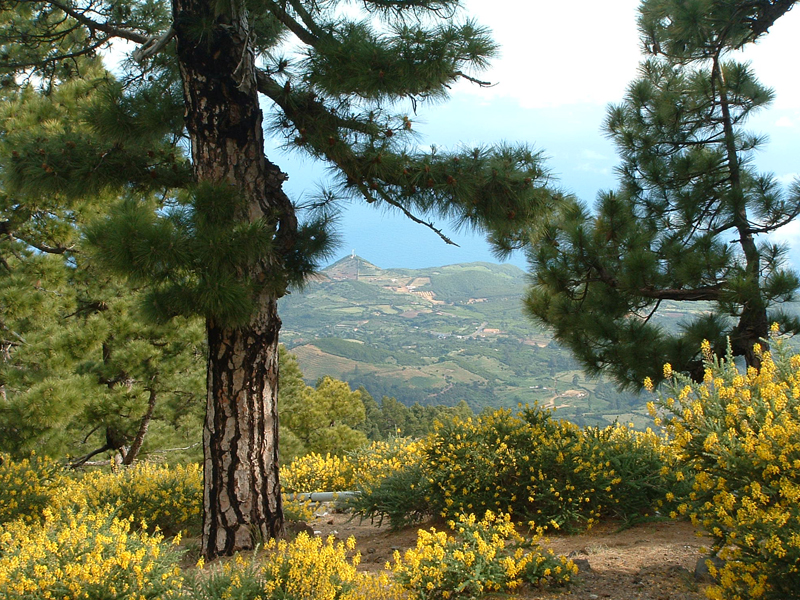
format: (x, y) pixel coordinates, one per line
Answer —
(440, 335)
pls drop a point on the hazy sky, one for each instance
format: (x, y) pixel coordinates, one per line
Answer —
(561, 64)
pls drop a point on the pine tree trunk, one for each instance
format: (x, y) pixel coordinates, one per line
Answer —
(753, 327)
(144, 425)
(242, 494)
(242, 502)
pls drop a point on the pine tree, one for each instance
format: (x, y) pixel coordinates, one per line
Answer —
(230, 242)
(80, 369)
(684, 224)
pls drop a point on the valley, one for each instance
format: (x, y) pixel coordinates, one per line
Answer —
(439, 336)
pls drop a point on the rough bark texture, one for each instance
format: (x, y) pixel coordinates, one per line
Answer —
(242, 494)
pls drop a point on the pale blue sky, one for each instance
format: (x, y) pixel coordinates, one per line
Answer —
(561, 65)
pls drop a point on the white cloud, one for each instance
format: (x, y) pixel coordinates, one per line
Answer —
(593, 169)
(790, 236)
(556, 53)
(784, 122)
(787, 178)
(585, 51)
(772, 60)
(592, 155)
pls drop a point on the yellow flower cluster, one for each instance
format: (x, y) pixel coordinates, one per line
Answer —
(358, 470)
(381, 459)
(307, 568)
(169, 498)
(85, 555)
(26, 487)
(740, 435)
(550, 472)
(316, 473)
(481, 557)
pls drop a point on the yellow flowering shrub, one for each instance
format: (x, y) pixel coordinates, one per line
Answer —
(297, 510)
(169, 498)
(392, 482)
(740, 435)
(485, 556)
(395, 463)
(26, 487)
(85, 555)
(307, 568)
(360, 469)
(316, 473)
(640, 472)
(548, 471)
(379, 460)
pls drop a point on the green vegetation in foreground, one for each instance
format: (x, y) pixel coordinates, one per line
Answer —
(727, 465)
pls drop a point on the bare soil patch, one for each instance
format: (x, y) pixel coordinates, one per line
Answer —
(649, 561)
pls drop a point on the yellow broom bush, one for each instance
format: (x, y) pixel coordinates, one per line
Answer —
(307, 568)
(27, 486)
(169, 498)
(482, 557)
(739, 432)
(85, 555)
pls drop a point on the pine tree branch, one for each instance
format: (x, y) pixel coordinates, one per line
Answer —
(788, 218)
(86, 51)
(111, 30)
(278, 94)
(344, 156)
(174, 449)
(144, 425)
(710, 293)
(766, 13)
(48, 249)
(92, 307)
(386, 198)
(302, 34)
(153, 46)
(307, 19)
(474, 80)
(707, 292)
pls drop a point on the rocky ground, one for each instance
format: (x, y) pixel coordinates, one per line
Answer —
(651, 561)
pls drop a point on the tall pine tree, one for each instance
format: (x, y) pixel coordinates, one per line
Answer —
(688, 221)
(80, 369)
(329, 76)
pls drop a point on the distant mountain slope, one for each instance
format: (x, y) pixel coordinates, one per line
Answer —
(440, 335)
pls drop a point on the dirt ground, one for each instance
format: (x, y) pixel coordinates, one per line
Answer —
(652, 561)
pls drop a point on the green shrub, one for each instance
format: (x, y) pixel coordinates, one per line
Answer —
(401, 496)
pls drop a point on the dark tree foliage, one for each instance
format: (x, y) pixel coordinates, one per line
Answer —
(688, 221)
(210, 231)
(80, 370)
